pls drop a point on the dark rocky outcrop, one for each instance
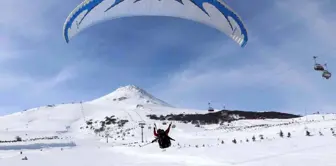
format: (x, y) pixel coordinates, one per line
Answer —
(222, 116)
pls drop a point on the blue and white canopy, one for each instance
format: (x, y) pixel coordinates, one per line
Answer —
(214, 13)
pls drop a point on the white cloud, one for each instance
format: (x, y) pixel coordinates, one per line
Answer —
(28, 85)
(24, 23)
(63, 76)
(312, 15)
(26, 18)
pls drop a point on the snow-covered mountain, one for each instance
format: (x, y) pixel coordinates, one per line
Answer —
(129, 103)
(106, 130)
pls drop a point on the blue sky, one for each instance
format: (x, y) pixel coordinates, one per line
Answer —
(184, 63)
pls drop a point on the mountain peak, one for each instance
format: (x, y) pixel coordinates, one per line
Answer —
(130, 89)
(132, 93)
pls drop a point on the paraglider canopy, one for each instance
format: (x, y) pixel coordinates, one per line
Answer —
(214, 13)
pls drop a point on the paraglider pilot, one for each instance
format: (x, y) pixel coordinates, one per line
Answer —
(162, 137)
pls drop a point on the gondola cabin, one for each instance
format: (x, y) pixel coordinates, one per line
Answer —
(210, 109)
(318, 67)
(326, 74)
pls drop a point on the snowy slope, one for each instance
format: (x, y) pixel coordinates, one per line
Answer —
(77, 144)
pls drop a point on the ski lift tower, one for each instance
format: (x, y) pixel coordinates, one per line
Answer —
(107, 135)
(142, 124)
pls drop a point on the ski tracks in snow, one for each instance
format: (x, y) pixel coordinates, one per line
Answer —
(180, 158)
(258, 159)
(168, 156)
